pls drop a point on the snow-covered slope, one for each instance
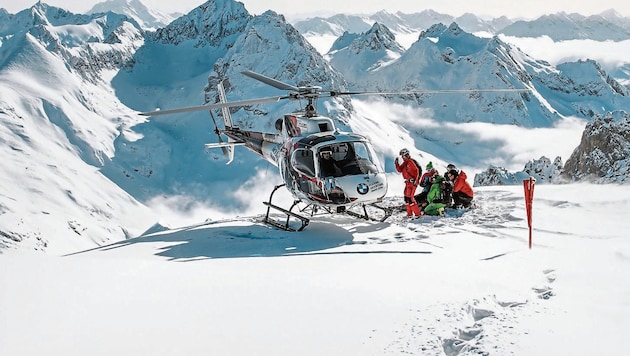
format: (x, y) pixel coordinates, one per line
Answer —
(58, 126)
(457, 285)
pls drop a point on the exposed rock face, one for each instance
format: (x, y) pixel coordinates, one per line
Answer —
(603, 155)
(542, 169)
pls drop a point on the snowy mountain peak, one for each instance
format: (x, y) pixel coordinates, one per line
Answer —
(212, 23)
(611, 14)
(381, 30)
(357, 55)
(377, 38)
(271, 46)
(147, 18)
(43, 14)
(444, 32)
(73, 37)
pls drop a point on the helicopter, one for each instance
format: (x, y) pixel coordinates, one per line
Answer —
(301, 149)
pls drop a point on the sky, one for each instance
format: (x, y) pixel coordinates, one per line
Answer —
(494, 8)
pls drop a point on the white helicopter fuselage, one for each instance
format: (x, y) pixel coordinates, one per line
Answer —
(354, 176)
(357, 177)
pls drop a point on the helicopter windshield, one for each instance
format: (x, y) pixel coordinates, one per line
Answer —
(347, 158)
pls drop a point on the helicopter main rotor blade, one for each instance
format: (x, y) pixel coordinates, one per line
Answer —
(437, 91)
(216, 106)
(270, 81)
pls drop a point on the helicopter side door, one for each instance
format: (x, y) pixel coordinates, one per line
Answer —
(284, 165)
(302, 169)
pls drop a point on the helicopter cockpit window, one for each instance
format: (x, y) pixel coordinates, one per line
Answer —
(349, 158)
(363, 161)
(302, 161)
(329, 166)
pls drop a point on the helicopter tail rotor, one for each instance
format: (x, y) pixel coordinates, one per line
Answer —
(227, 119)
(218, 132)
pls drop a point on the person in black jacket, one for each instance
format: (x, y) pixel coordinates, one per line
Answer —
(327, 164)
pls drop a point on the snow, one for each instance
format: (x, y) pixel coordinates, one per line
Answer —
(235, 286)
(189, 272)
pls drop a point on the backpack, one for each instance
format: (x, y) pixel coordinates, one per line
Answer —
(446, 188)
(419, 168)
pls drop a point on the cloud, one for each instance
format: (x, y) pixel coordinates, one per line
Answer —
(517, 145)
(609, 54)
(473, 145)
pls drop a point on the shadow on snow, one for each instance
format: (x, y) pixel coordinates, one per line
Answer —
(238, 238)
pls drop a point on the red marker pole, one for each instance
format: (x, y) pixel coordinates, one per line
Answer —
(528, 185)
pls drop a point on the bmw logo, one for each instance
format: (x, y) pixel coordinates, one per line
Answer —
(363, 188)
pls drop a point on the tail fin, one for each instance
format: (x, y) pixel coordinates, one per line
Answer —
(225, 111)
(227, 119)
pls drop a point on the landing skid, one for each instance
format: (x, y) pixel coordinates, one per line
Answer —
(304, 221)
(289, 214)
(387, 212)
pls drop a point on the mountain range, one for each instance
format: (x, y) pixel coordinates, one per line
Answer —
(609, 25)
(73, 84)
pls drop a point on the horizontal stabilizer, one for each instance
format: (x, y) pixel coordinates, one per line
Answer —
(228, 145)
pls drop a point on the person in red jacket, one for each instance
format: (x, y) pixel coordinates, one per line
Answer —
(462, 191)
(411, 175)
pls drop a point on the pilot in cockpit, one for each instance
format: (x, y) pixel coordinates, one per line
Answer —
(328, 167)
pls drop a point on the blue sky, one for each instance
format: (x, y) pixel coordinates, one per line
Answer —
(530, 9)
